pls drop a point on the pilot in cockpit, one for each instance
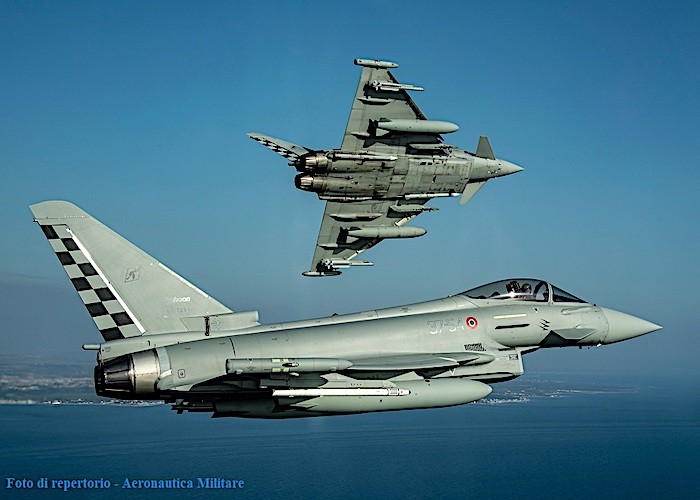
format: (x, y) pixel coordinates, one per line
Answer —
(513, 288)
(516, 291)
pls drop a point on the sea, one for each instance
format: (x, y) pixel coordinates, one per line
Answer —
(543, 437)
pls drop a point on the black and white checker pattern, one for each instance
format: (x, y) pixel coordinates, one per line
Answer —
(276, 148)
(104, 308)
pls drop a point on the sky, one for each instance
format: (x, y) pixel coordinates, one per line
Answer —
(137, 112)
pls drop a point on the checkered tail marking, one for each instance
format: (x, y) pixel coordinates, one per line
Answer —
(277, 148)
(106, 309)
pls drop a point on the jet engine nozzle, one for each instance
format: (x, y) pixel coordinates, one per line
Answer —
(336, 186)
(313, 162)
(304, 182)
(132, 376)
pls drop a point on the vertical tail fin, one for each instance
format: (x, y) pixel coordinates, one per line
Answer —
(126, 291)
(289, 150)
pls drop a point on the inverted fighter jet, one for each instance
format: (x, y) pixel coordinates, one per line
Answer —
(165, 339)
(392, 161)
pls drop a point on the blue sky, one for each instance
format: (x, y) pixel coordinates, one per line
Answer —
(138, 111)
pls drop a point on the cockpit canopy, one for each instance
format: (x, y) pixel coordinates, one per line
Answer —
(521, 289)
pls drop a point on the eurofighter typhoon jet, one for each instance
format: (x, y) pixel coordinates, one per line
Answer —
(391, 162)
(165, 339)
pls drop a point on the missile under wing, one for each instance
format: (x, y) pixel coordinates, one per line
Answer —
(165, 339)
(392, 161)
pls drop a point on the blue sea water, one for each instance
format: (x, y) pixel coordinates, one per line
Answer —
(631, 443)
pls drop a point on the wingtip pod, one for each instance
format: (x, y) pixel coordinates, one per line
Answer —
(375, 63)
(320, 274)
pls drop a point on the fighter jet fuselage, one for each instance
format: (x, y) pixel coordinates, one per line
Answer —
(454, 346)
(395, 177)
(165, 339)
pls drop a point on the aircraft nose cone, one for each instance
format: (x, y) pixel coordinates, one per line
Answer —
(507, 168)
(625, 326)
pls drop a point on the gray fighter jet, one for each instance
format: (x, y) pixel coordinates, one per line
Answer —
(165, 339)
(391, 163)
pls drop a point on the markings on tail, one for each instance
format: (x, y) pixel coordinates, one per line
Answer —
(277, 149)
(107, 309)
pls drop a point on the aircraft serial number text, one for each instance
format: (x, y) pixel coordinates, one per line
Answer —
(449, 325)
